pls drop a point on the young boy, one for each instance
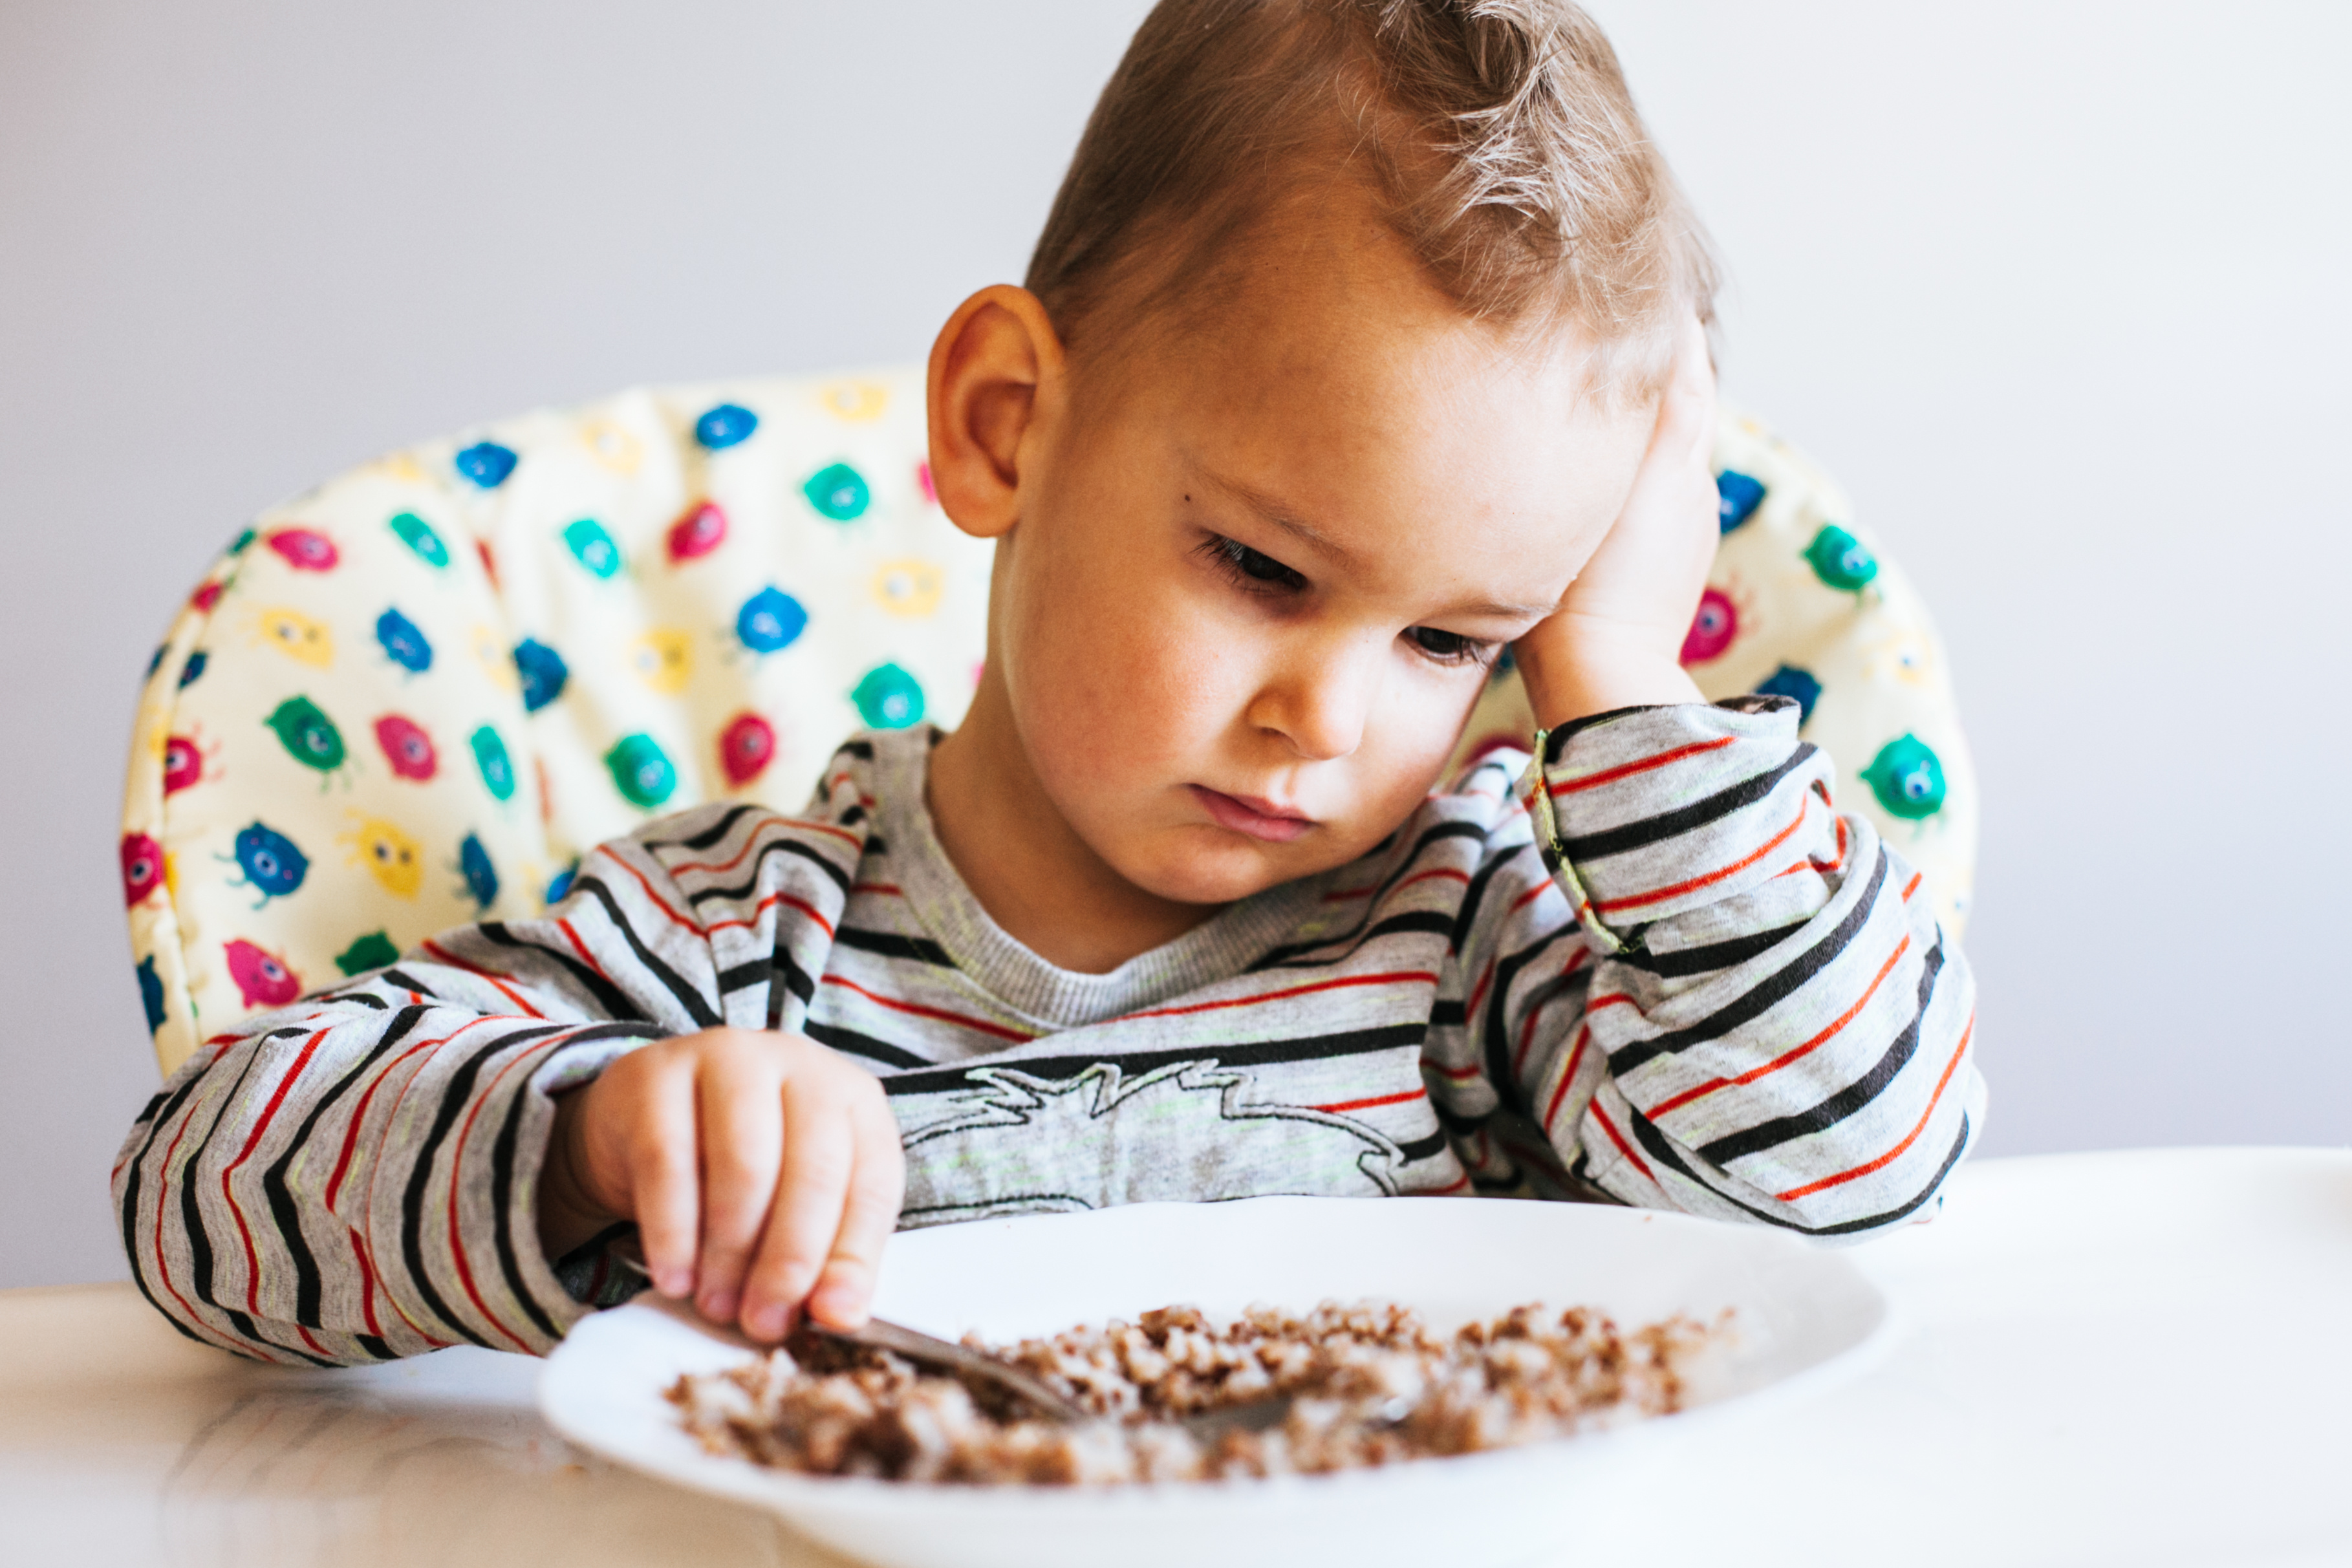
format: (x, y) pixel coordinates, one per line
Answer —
(1364, 343)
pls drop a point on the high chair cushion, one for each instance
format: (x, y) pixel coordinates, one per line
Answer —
(412, 698)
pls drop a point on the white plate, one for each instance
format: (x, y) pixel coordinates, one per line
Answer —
(1804, 1315)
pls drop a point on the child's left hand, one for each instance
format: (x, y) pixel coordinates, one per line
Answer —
(1616, 639)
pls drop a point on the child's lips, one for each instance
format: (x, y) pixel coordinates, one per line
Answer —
(1251, 816)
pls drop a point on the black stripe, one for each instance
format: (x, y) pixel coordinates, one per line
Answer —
(158, 1114)
(309, 1287)
(689, 999)
(614, 1002)
(1685, 962)
(1845, 1101)
(375, 1347)
(1760, 998)
(1499, 1019)
(743, 976)
(890, 944)
(861, 749)
(1278, 957)
(1556, 740)
(407, 982)
(797, 981)
(1312, 1048)
(502, 1164)
(1425, 1148)
(1435, 923)
(364, 999)
(750, 883)
(1447, 1015)
(453, 1096)
(1660, 1149)
(1475, 894)
(192, 1219)
(709, 836)
(851, 817)
(850, 1043)
(1697, 814)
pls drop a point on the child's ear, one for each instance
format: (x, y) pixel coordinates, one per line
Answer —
(996, 363)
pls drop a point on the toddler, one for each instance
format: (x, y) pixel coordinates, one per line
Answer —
(1364, 346)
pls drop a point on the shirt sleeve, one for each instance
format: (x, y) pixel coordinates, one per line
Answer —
(356, 1177)
(1701, 988)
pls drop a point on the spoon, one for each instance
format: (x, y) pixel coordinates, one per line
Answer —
(926, 1349)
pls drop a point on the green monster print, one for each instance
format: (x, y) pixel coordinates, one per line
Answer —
(1907, 778)
(373, 951)
(641, 770)
(1841, 560)
(308, 735)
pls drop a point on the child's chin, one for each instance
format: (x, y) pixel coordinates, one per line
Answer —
(1212, 865)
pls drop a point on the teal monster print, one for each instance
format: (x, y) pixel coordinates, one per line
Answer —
(308, 735)
(1841, 560)
(373, 951)
(1907, 778)
(641, 770)
(838, 491)
(497, 767)
(418, 536)
(592, 548)
(889, 698)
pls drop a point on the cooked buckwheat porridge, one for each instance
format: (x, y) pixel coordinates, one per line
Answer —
(1371, 1385)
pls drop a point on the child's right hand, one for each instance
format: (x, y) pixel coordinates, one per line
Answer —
(763, 1170)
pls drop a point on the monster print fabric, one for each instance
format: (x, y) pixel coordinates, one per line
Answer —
(1776, 1030)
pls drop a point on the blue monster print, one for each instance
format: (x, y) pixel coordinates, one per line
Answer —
(270, 862)
(403, 641)
(770, 620)
(194, 670)
(561, 883)
(486, 463)
(155, 660)
(543, 674)
(729, 424)
(1736, 497)
(1788, 681)
(150, 993)
(481, 877)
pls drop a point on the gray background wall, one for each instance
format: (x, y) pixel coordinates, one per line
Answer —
(2057, 291)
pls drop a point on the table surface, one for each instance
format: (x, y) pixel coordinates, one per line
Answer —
(2141, 1357)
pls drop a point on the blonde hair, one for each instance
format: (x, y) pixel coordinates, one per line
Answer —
(1497, 137)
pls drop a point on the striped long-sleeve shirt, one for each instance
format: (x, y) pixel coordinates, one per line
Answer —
(1658, 967)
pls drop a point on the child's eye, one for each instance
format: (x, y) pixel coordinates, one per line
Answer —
(1450, 647)
(1256, 571)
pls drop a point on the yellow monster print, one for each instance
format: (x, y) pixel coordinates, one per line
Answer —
(613, 445)
(855, 401)
(389, 856)
(910, 587)
(296, 636)
(664, 659)
(496, 661)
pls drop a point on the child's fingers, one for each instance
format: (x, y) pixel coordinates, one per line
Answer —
(741, 1124)
(877, 1188)
(819, 1152)
(662, 1175)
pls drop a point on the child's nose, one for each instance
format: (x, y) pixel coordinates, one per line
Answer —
(1322, 702)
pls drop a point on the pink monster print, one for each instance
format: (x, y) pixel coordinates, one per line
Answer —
(183, 764)
(746, 746)
(408, 747)
(262, 979)
(204, 597)
(143, 867)
(702, 530)
(304, 550)
(923, 483)
(1713, 629)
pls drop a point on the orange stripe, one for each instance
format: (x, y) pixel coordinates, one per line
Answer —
(1912, 886)
(1753, 1074)
(1611, 776)
(1776, 840)
(999, 1031)
(1334, 1110)
(1418, 977)
(1892, 1155)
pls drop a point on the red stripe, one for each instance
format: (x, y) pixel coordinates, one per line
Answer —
(1538, 891)
(1612, 1000)
(1607, 904)
(999, 1031)
(163, 1269)
(1909, 1138)
(1627, 770)
(1912, 886)
(367, 1284)
(887, 889)
(1528, 1027)
(1334, 1110)
(1417, 976)
(1352, 893)
(359, 1116)
(1477, 994)
(676, 917)
(1459, 1074)
(498, 983)
(1575, 1059)
(581, 948)
(1456, 1184)
(1600, 1114)
(252, 1142)
(771, 902)
(1778, 1062)
(1447, 872)
(457, 1159)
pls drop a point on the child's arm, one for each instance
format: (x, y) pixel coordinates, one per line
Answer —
(359, 1175)
(1742, 1008)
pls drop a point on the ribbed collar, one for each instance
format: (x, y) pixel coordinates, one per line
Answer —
(1217, 949)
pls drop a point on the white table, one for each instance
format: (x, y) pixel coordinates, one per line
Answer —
(2126, 1358)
